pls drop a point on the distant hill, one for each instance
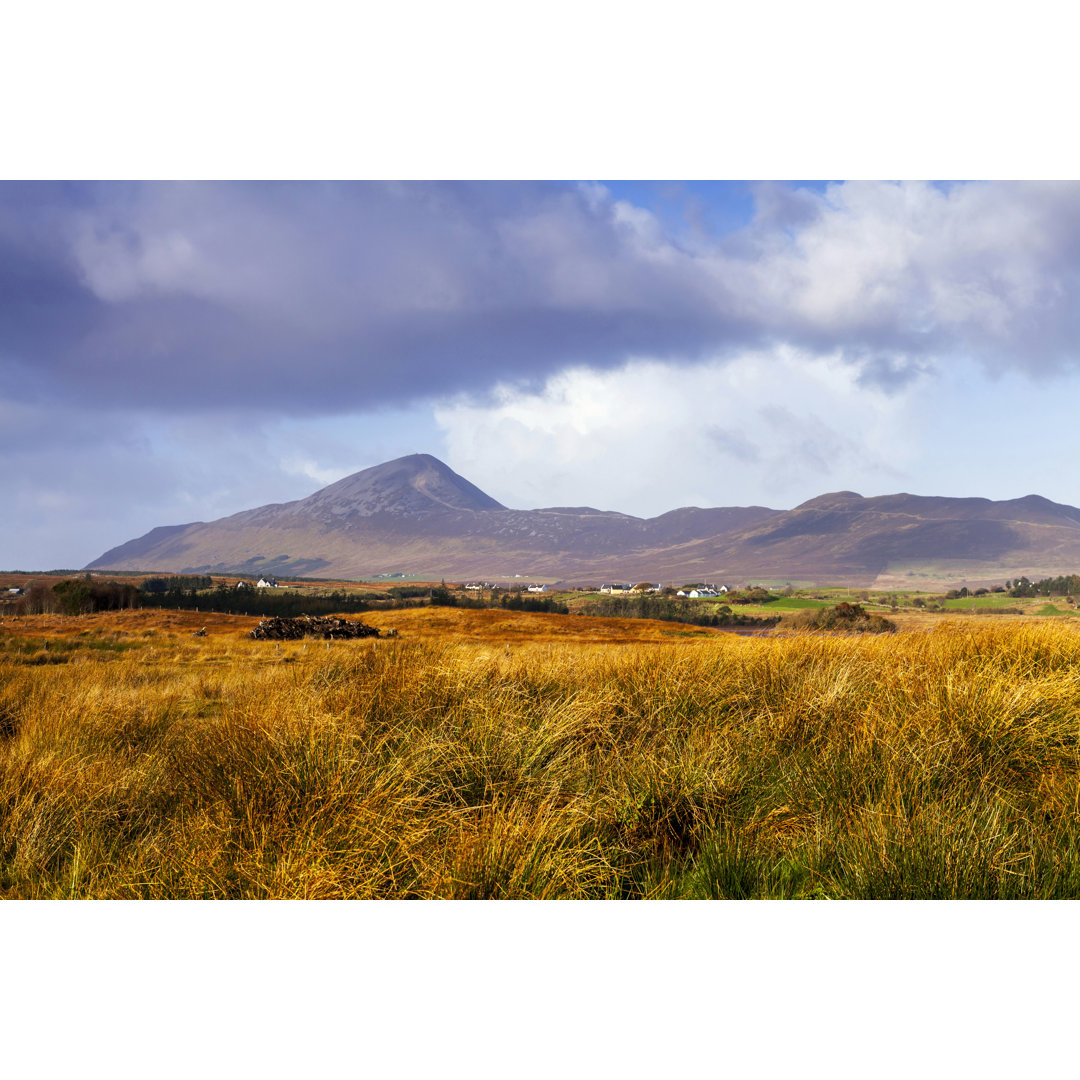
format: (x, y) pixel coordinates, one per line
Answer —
(890, 539)
(417, 516)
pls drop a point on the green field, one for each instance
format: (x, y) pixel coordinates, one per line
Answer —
(974, 603)
(1000, 600)
(1050, 609)
(795, 603)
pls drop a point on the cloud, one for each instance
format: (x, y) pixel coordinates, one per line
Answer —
(897, 275)
(774, 425)
(312, 298)
(734, 444)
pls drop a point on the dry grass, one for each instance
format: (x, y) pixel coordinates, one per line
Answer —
(496, 754)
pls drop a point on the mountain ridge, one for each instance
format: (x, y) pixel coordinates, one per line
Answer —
(415, 515)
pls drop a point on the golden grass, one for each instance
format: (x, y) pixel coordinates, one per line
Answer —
(496, 754)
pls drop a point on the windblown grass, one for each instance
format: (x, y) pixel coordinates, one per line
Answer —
(937, 764)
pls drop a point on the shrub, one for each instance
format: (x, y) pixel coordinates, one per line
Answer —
(755, 595)
(850, 618)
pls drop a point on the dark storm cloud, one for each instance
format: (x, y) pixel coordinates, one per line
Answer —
(332, 297)
(320, 297)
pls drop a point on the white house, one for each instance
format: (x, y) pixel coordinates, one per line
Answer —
(538, 588)
(267, 583)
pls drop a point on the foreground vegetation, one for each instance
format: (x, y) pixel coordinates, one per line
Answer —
(456, 760)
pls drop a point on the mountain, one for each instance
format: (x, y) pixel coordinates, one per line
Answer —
(891, 540)
(417, 516)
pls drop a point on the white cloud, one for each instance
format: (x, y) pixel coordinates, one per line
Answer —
(989, 270)
(779, 426)
(310, 470)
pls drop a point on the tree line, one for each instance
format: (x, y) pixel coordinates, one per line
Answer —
(77, 596)
(173, 583)
(1066, 585)
(656, 607)
(227, 600)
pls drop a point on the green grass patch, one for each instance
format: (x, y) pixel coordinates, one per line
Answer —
(974, 603)
(796, 603)
(1051, 609)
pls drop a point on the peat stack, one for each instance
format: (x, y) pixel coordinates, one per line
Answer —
(319, 626)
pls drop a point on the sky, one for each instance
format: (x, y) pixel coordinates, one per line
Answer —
(179, 351)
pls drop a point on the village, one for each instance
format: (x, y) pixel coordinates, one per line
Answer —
(692, 592)
(627, 589)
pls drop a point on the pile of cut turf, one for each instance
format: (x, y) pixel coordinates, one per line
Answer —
(318, 626)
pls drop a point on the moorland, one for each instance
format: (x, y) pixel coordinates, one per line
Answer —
(492, 753)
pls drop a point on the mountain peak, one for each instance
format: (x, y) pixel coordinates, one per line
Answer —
(835, 500)
(414, 484)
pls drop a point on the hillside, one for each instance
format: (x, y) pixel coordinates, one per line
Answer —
(891, 538)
